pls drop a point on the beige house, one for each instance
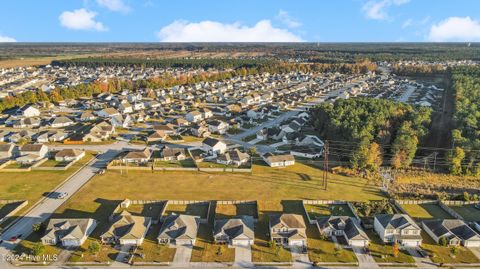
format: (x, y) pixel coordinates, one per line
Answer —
(127, 229)
(68, 232)
(288, 229)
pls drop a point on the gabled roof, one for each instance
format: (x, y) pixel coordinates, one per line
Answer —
(291, 221)
(455, 226)
(349, 226)
(179, 227)
(68, 228)
(127, 226)
(235, 228)
(212, 142)
(396, 221)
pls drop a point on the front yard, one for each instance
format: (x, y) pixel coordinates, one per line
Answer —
(151, 251)
(205, 250)
(383, 253)
(440, 254)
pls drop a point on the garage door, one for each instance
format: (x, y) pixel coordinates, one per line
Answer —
(410, 243)
(472, 244)
(357, 243)
(296, 243)
(241, 242)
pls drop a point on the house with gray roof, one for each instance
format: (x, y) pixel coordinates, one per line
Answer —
(236, 231)
(179, 229)
(345, 226)
(397, 228)
(288, 229)
(68, 232)
(455, 231)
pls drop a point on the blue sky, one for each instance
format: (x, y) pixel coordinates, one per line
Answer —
(245, 20)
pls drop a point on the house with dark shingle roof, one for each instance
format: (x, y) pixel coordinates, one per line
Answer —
(68, 232)
(397, 228)
(345, 226)
(455, 231)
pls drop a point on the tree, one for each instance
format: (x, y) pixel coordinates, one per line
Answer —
(368, 156)
(404, 146)
(37, 227)
(454, 251)
(442, 241)
(466, 196)
(94, 247)
(38, 249)
(456, 158)
(396, 250)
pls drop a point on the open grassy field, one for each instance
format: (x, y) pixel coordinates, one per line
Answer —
(426, 211)
(441, 254)
(468, 212)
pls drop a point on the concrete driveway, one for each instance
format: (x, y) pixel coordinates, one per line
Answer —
(243, 257)
(182, 255)
(365, 260)
(300, 259)
(421, 262)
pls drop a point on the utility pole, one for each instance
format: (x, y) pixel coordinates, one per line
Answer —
(434, 160)
(325, 164)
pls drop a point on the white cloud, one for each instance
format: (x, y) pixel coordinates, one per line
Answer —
(407, 23)
(455, 29)
(4, 38)
(377, 10)
(211, 31)
(81, 19)
(285, 18)
(114, 5)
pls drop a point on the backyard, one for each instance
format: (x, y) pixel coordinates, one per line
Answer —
(468, 212)
(426, 211)
(325, 210)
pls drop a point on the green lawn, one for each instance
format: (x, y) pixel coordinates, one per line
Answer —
(15, 165)
(441, 254)
(200, 210)
(426, 211)
(382, 252)
(205, 250)
(106, 253)
(316, 211)
(468, 212)
(53, 163)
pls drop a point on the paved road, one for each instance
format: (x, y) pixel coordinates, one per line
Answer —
(45, 207)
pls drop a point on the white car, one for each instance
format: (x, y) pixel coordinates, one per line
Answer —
(62, 195)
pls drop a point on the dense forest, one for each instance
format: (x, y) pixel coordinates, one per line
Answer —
(465, 158)
(418, 70)
(371, 132)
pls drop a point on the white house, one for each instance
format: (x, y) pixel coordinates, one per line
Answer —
(278, 160)
(214, 146)
(28, 111)
(397, 228)
(69, 155)
(194, 116)
(179, 229)
(345, 226)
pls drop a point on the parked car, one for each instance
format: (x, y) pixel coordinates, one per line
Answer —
(62, 195)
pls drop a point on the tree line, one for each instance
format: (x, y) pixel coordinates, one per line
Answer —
(465, 156)
(370, 132)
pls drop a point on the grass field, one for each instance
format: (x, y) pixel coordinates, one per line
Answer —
(426, 211)
(441, 254)
(468, 212)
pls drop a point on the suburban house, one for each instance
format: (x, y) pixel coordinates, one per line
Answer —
(397, 228)
(156, 136)
(173, 154)
(69, 155)
(455, 231)
(61, 122)
(234, 157)
(108, 112)
(236, 231)
(127, 229)
(137, 156)
(6, 151)
(68, 232)
(345, 226)
(179, 229)
(217, 126)
(278, 160)
(32, 152)
(194, 116)
(28, 111)
(214, 146)
(288, 229)
(99, 132)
